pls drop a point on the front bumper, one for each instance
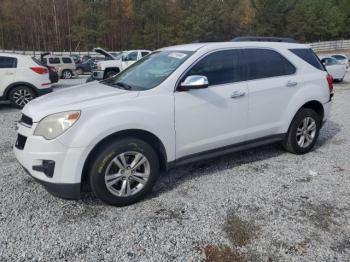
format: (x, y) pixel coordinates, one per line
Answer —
(65, 191)
(33, 153)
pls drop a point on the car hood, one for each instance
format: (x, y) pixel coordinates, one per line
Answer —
(103, 52)
(91, 95)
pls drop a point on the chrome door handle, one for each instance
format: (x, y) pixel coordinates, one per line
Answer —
(292, 83)
(237, 94)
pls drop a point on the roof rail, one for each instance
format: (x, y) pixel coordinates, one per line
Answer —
(263, 39)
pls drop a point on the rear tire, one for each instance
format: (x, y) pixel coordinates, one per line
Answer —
(67, 74)
(21, 95)
(124, 171)
(303, 132)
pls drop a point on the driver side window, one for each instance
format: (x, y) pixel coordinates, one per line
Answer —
(220, 67)
(132, 56)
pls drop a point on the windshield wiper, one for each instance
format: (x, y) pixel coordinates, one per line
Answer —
(122, 85)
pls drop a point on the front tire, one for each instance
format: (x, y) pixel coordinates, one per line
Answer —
(79, 71)
(124, 171)
(20, 96)
(303, 132)
(110, 74)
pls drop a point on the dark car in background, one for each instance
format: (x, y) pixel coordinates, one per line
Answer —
(76, 59)
(88, 65)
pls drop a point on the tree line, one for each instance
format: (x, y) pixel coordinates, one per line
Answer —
(80, 25)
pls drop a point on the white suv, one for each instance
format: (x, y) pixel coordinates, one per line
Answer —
(22, 78)
(177, 105)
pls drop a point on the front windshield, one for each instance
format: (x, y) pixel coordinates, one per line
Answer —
(150, 71)
(119, 55)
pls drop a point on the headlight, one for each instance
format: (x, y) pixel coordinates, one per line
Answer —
(55, 125)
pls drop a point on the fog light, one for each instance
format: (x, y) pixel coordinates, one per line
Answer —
(47, 167)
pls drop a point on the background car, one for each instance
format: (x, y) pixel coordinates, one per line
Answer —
(53, 74)
(342, 59)
(115, 64)
(333, 67)
(64, 65)
(52, 71)
(76, 59)
(22, 78)
(88, 65)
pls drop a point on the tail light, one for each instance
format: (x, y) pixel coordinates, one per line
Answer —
(40, 70)
(330, 83)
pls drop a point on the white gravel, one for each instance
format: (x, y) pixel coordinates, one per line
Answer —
(260, 205)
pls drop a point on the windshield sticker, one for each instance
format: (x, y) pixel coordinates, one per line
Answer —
(177, 55)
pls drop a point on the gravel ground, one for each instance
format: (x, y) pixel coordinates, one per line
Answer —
(258, 205)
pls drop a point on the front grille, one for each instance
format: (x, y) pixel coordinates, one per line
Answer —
(26, 120)
(21, 142)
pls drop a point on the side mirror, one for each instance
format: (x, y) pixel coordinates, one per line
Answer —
(194, 82)
(124, 58)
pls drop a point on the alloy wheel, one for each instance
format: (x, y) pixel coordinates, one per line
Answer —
(127, 174)
(306, 132)
(67, 75)
(22, 97)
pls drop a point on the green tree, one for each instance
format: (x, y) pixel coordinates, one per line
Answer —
(315, 20)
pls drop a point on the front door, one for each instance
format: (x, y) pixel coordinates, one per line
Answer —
(216, 116)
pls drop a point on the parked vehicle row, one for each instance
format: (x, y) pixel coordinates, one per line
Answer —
(176, 105)
(64, 65)
(115, 64)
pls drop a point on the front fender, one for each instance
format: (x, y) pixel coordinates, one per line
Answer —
(95, 125)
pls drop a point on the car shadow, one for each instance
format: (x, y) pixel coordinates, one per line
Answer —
(6, 107)
(179, 175)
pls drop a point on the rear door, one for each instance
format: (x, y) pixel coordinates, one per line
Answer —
(216, 116)
(7, 72)
(272, 80)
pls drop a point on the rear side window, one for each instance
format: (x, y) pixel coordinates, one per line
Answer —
(8, 62)
(144, 53)
(339, 57)
(67, 60)
(308, 56)
(221, 67)
(54, 60)
(329, 61)
(132, 56)
(264, 63)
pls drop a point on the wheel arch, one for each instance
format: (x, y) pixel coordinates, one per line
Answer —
(109, 69)
(17, 84)
(146, 136)
(312, 104)
(316, 106)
